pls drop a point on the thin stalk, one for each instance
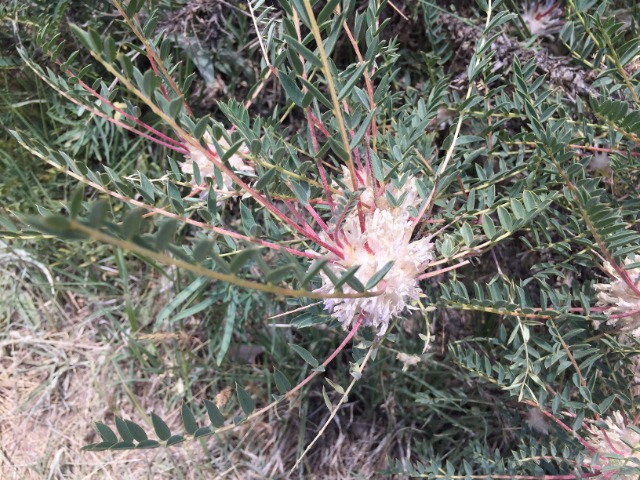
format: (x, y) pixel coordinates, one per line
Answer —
(335, 409)
(316, 217)
(205, 272)
(367, 81)
(125, 114)
(205, 151)
(442, 270)
(151, 52)
(562, 425)
(160, 211)
(312, 123)
(101, 114)
(332, 88)
(313, 374)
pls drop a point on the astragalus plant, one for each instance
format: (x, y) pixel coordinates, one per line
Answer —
(451, 187)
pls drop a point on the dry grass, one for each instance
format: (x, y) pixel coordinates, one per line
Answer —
(60, 371)
(55, 379)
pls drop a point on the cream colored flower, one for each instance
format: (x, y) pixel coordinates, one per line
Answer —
(543, 17)
(620, 298)
(617, 440)
(408, 360)
(537, 421)
(386, 237)
(363, 184)
(600, 163)
(206, 167)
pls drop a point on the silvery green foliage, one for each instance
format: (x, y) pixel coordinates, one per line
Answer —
(483, 171)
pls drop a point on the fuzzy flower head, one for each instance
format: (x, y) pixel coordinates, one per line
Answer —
(206, 167)
(383, 237)
(543, 17)
(617, 444)
(621, 299)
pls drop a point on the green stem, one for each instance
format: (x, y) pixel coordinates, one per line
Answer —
(332, 89)
(205, 272)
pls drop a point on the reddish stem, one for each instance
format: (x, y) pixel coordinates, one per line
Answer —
(258, 197)
(308, 232)
(316, 217)
(338, 226)
(122, 112)
(541, 477)
(150, 55)
(426, 208)
(321, 170)
(561, 424)
(176, 146)
(155, 70)
(464, 192)
(548, 11)
(576, 309)
(319, 124)
(603, 149)
(354, 181)
(442, 270)
(626, 279)
(623, 315)
(303, 223)
(606, 437)
(344, 343)
(187, 220)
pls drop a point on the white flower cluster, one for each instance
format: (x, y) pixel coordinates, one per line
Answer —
(620, 298)
(621, 301)
(206, 167)
(386, 237)
(616, 441)
(543, 17)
